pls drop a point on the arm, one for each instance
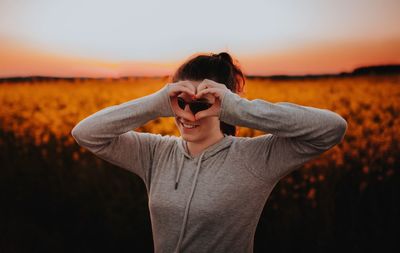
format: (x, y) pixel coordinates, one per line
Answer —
(109, 133)
(296, 133)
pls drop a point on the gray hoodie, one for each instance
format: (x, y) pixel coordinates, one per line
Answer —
(210, 202)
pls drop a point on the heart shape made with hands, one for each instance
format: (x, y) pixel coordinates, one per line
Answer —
(205, 103)
(196, 105)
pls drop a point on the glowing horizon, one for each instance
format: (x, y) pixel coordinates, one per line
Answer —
(128, 38)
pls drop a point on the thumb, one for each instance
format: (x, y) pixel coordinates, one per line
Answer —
(199, 115)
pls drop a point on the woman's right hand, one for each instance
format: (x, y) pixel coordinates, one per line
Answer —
(187, 90)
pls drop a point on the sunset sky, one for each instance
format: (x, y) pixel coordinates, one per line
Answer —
(95, 38)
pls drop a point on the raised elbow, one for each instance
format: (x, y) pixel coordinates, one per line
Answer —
(341, 128)
(85, 138)
(75, 132)
(337, 131)
(78, 134)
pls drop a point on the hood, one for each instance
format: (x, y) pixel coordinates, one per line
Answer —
(211, 150)
(206, 154)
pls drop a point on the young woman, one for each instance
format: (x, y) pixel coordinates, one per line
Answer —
(208, 187)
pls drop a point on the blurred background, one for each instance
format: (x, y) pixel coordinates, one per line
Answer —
(61, 61)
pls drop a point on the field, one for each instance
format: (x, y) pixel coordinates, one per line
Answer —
(56, 196)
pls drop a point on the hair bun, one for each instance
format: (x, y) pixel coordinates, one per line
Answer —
(225, 56)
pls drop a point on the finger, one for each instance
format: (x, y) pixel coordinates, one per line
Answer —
(205, 84)
(203, 114)
(212, 84)
(199, 115)
(212, 111)
(213, 91)
(187, 116)
(177, 89)
(188, 84)
(217, 84)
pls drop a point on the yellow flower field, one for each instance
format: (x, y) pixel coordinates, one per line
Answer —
(371, 106)
(61, 193)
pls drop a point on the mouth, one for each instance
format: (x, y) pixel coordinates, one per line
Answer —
(188, 125)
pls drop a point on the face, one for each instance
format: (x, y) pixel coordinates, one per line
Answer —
(206, 127)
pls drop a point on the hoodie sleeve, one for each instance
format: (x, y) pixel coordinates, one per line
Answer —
(296, 133)
(109, 133)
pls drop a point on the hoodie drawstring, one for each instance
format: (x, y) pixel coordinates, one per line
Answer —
(179, 172)
(189, 200)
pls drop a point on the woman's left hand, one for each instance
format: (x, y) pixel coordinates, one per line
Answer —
(215, 89)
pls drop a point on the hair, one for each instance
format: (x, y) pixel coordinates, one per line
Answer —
(220, 68)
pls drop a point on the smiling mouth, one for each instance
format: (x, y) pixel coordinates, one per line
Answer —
(188, 126)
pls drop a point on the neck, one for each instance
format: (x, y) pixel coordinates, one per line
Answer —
(196, 148)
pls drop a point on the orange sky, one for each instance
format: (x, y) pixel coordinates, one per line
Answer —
(94, 38)
(17, 59)
(325, 58)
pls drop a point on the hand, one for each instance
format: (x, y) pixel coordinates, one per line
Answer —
(210, 87)
(176, 89)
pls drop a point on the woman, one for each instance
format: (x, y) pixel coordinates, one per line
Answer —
(208, 187)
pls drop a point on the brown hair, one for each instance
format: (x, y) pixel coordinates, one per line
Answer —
(220, 68)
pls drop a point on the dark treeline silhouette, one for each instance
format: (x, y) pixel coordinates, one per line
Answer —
(366, 70)
(35, 79)
(378, 70)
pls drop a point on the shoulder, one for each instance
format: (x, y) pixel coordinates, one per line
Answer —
(246, 141)
(160, 139)
(154, 141)
(249, 147)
